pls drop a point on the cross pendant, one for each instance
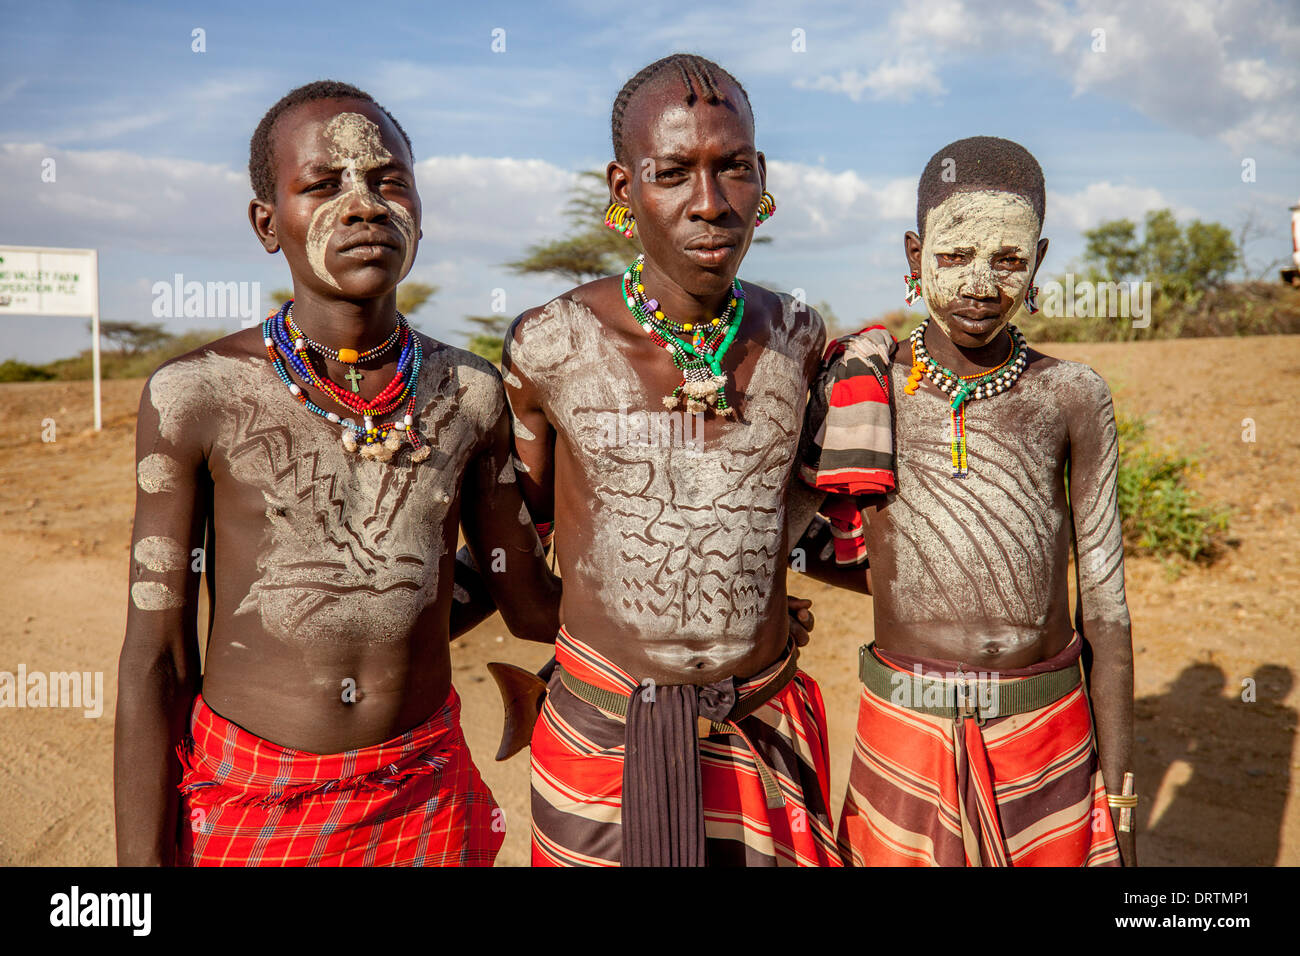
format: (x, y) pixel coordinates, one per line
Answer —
(354, 376)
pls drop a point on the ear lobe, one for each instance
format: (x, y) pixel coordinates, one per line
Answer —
(261, 216)
(1038, 260)
(912, 250)
(619, 183)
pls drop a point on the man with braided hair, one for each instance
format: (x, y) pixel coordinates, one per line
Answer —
(657, 416)
(989, 729)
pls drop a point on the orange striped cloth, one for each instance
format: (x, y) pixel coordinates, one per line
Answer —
(577, 774)
(1023, 790)
(415, 800)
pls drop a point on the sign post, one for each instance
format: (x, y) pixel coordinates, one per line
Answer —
(41, 281)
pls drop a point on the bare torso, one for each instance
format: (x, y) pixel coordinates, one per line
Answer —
(673, 556)
(331, 574)
(975, 570)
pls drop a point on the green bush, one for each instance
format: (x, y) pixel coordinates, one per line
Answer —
(15, 371)
(112, 364)
(1161, 515)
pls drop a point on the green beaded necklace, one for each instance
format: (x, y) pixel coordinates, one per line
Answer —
(703, 383)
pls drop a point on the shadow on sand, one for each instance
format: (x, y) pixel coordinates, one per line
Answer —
(1214, 767)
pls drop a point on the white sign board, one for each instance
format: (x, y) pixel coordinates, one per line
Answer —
(47, 281)
(37, 281)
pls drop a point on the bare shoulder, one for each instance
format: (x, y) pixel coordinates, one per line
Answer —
(1078, 389)
(475, 382)
(592, 297)
(183, 393)
(797, 328)
(541, 338)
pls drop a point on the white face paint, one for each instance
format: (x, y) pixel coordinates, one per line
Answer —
(157, 474)
(355, 144)
(152, 596)
(161, 554)
(979, 234)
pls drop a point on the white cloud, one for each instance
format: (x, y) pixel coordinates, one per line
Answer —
(502, 202)
(825, 208)
(1098, 202)
(117, 198)
(152, 216)
(899, 80)
(1225, 70)
(1220, 69)
(123, 199)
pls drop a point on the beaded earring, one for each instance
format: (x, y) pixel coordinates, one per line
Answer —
(619, 218)
(765, 209)
(1030, 304)
(913, 281)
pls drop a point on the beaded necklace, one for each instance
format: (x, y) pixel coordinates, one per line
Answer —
(349, 357)
(703, 384)
(964, 388)
(377, 442)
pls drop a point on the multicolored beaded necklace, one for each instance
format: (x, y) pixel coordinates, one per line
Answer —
(285, 346)
(964, 388)
(697, 349)
(349, 357)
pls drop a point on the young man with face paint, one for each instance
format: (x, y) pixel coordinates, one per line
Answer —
(979, 741)
(677, 728)
(323, 727)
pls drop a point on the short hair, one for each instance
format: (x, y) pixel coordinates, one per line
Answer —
(980, 162)
(261, 166)
(693, 70)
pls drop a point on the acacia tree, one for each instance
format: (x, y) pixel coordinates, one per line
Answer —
(132, 338)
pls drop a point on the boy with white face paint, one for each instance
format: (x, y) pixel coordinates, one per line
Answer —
(322, 727)
(989, 728)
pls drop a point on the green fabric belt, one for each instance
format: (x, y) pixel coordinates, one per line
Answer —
(982, 697)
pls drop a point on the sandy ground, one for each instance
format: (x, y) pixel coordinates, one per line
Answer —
(1217, 772)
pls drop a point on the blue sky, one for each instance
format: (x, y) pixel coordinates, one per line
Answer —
(150, 138)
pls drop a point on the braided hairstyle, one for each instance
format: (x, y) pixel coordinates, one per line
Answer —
(980, 162)
(694, 71)
(261, 164)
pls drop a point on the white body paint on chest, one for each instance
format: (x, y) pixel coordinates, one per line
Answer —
(985, 544)
(685, 542)
(350, 549)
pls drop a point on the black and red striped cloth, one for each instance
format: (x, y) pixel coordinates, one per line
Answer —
(848, 447)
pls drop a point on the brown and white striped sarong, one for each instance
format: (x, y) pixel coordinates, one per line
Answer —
(764, 777)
